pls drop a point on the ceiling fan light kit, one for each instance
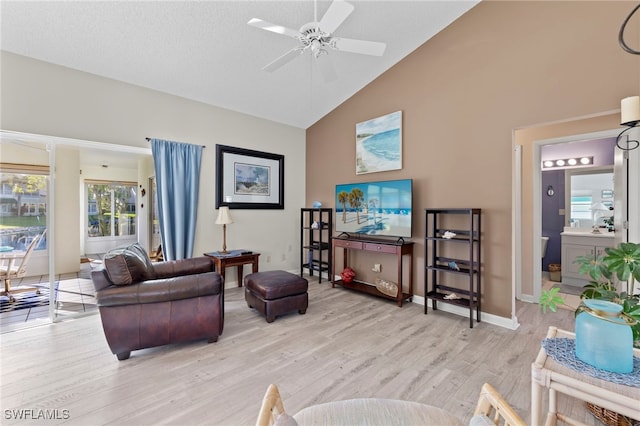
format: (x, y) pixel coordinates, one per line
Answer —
(317, 37)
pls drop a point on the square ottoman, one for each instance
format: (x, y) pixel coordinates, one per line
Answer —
(274, 293)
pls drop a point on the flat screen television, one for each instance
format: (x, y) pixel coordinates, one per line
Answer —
(380, 208)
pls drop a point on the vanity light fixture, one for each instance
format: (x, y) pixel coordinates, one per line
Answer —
(630, 117)
(567, 162)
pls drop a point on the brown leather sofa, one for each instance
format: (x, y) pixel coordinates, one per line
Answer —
(144, 304)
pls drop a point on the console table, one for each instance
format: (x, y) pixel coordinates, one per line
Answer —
(399, 249)
(237, 258)
(546, 372)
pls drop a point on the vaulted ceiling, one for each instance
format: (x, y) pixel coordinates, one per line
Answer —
(205, 51)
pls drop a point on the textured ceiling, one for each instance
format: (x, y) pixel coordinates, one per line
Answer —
(205, 51)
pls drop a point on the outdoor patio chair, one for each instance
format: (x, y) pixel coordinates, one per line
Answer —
(14, 265)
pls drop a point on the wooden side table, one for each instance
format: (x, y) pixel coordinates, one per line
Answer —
(545, 372)
(234, 258)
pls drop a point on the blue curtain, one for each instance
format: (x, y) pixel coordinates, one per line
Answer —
(177, 167)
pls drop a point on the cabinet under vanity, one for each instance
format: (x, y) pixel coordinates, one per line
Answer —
(581, 243)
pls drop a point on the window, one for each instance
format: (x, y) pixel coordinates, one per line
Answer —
(23, 205)
(581, 207)
(111, 209)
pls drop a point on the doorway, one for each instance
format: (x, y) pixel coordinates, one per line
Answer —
(526, 248)
(602, 147)
(528, 191)
(574, 178)
(59, 268)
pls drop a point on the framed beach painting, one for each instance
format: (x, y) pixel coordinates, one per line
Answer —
(248, 179)
(379, 144)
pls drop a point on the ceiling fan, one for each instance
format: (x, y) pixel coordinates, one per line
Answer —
(317, 37)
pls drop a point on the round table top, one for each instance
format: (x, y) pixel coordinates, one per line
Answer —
(375, 411)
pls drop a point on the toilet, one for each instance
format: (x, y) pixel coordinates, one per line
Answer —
(545, 241)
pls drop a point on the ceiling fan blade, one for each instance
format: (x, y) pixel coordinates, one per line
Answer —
(326, 68)
(338, 11)
(282, 60)
(278, 29)
(363, 47)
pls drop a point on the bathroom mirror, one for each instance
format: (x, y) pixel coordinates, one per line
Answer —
(586, 206)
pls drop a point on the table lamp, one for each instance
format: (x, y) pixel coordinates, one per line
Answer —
(599, 210)
(224, 218)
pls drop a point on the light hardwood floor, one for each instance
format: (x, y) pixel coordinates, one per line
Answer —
(348, 345)
(75, 294)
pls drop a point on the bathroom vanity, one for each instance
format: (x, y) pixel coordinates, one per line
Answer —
(581, 242)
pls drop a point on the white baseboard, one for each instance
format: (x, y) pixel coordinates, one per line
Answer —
(527, 298)
(510, 323)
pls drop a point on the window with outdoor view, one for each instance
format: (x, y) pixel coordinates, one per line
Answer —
(111, 209)
(581, 207)
(23, 206)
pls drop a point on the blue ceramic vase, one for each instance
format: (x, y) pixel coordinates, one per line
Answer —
(603, 338)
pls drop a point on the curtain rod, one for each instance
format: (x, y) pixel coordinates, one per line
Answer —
(148, 139)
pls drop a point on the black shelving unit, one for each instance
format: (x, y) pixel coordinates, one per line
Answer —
(315, 238)
(449, 256)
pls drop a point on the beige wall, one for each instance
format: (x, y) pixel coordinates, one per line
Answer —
(66, 232)
(42, 98)
(500, 67)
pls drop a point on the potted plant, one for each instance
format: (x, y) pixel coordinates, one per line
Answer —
(621, 263)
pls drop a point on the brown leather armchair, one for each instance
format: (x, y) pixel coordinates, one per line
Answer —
(144, 304)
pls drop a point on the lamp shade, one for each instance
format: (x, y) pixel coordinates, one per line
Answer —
(630, 111)
(599, 207)
(224, 216)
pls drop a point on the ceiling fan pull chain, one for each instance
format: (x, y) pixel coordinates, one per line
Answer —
(315, 12)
